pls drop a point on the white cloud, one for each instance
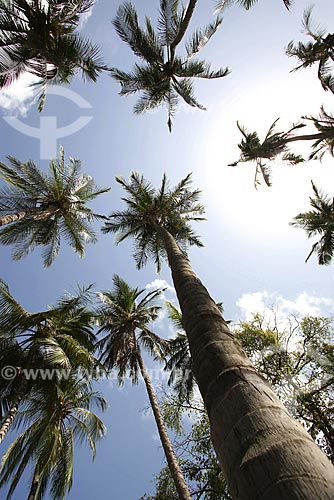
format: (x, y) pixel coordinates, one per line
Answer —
(165, 327)
(155, 284)
(303, 305)
(20, 96)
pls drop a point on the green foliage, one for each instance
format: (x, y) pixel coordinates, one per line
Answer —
(11, 354)
(56, 416)
(149, 209)
(324, 123)
(59, 338)
(200, 468)
(320, 50)
(121, 314)
(179, 362)
(39, 38)
(297, 357)
(163, 78)
(253, 337)
(274, 145)
(319, 222)
(54, 206)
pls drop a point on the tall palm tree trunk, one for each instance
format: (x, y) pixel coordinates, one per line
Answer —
(264, 453)
(7, 219)
(172, 461)
(37, 213)
(6, 424)
(8, 420)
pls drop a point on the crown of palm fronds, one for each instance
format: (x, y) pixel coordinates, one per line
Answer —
(125, 314)
(60, 337)
(320, 50)
(163, 78)
(324, 123)
(319, 221)
(274, 144)
(148, 209)
(39, 37)
(54, 205)
(56, 416)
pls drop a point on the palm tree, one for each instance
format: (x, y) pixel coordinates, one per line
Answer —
(37, 208)
(324, 140)
(58, 415)
(121, 315)
(164, 77)
(60, 338)
(263, 451)
(319, 221)
(276, 144)
(12, 390)
(320, 50)
(38, 37)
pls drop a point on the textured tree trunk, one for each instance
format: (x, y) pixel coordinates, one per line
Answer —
(265, 454)
(6, 424)
(34, 485)
(7, 219)
(37, 213)
(172, 461)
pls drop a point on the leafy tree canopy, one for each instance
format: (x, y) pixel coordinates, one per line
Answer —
(36, 209)
(320, 50)
(163, 77)
(39, 37)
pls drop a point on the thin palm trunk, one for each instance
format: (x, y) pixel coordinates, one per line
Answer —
(265, 454)
(172, 461)
(310, 137)
(36, 213)
(8, 219)
(7, 423)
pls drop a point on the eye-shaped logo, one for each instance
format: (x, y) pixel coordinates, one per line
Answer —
(48, 133)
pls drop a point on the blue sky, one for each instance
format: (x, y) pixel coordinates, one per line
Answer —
(251, 256)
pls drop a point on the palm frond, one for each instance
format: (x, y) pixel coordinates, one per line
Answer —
(40, 38)
(127, 27)
(319, 222)
(54, 205)
(201, 37)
